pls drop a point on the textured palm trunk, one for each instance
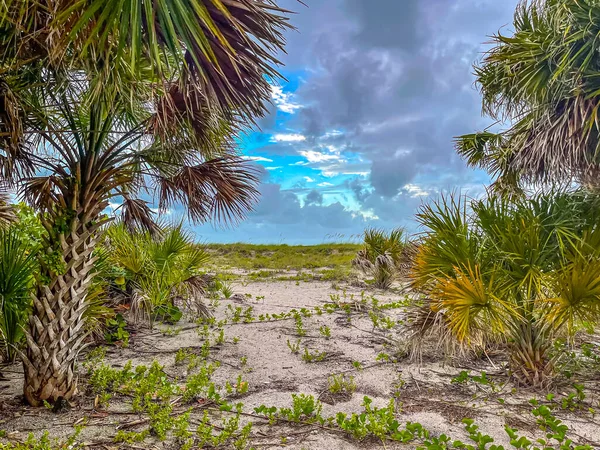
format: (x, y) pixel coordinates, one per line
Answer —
(529, 360)
(56, 332)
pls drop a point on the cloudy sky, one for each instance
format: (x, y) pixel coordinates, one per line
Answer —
(361, 133)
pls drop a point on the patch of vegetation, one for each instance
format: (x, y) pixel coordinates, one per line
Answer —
(517, 271)
(283, 257)
(340, 384)
(381, 255)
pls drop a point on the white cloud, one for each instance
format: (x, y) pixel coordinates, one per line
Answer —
(415, 190)
(273, 168)
(257, 158)
(334, 173)
(289, 137)
(332, 133)
(316, 157)
(309, 180)
(283, 100)
(325, 184)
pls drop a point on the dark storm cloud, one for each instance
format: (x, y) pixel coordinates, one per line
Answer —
(395, 75)
(314, 197)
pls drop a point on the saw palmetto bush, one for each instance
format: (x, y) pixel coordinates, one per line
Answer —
(381, 255)
(17, 267)
(543, 82)
(520, 273)
(161, 275)
(103, 102)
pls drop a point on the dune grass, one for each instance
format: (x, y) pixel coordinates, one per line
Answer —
(282, 257)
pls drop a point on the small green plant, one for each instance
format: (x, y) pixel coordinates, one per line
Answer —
(309, 357)
(325, 331)
(339, 383)
(226, 289)
(294, 347)
(300, 330)
(116, 332)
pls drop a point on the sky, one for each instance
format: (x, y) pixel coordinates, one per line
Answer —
(360, 133)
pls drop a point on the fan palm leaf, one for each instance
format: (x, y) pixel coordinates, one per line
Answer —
(543, 83)
(520, 271)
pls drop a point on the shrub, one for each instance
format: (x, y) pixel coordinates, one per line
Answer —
(381, 255)
(17, 266)
(158, 274)
(518, 272)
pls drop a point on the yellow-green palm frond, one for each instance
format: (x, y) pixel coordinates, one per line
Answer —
(469, 304)
(577, 295)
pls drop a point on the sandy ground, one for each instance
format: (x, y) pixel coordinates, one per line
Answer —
(423, 392)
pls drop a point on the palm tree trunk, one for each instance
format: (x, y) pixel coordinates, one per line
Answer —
(56, 332)
(529, 360)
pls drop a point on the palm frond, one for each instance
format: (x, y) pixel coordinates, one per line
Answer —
(137, 216)
(223, 189)
(7, 214)
(542, 82)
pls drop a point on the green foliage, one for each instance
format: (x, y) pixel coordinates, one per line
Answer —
(159, 271)
(325, 331)
(17, 268)
(309, 357)
(381, 255)
(294, 347)
(282, 257)
(495, 270)
(339, 383)
(44, 442)
(541, 81)
(116, 332)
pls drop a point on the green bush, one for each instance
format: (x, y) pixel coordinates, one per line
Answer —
(17, 267)
(157, 274)
(381, 255)
(516, 272)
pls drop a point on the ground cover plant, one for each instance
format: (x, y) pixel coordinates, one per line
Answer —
(211, 392)
(381, 255)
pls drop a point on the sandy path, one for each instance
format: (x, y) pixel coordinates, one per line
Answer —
(423, 393)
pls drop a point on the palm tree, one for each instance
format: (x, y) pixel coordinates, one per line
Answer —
(518, 272)
(543, 82)
(103, 102)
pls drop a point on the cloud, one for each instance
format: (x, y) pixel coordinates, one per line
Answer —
(314, 197)
(313, 156)
(283, 100)
(388, 85)
(257, 158)
(377, 94)
(309, 180)
(290, 137)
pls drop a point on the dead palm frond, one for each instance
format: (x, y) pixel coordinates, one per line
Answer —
(7, 213)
